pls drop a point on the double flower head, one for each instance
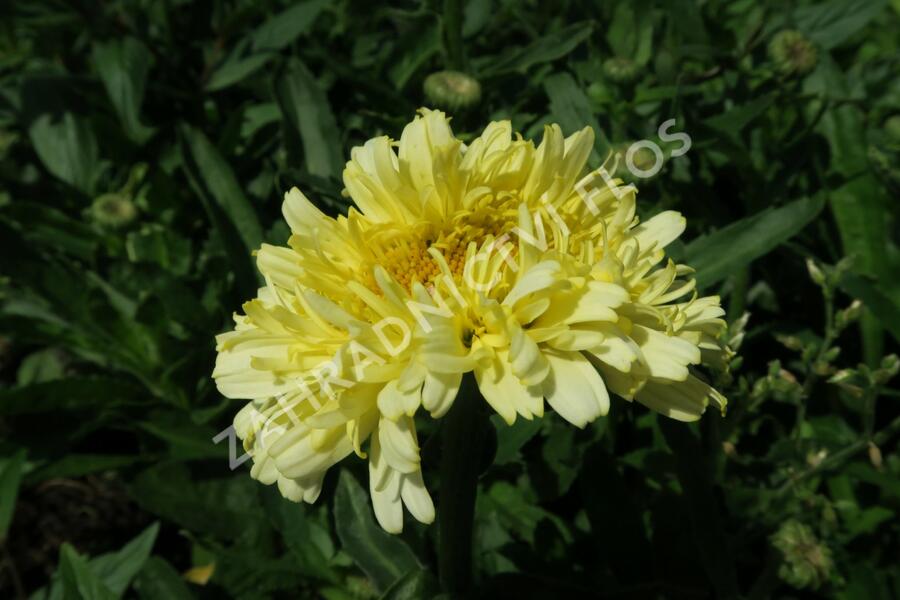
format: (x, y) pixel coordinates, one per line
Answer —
(497, 258)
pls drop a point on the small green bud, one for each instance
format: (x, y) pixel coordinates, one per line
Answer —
(452, 90)
(113, 210)
(890, 365)
(848, 315)
(815, 273)
(620, 69)
(807, 562)
(875, 456)
(790, 342)
(792, 53)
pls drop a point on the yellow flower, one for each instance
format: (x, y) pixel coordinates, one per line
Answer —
(498, 258)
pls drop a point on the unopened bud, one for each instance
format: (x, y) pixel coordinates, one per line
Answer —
(452, 90)
(792, 53)
(815, 273)
(875, 455)
(890, 365)
(807, 561)
(113, 210)
(842, 376)
(620, 69)
(790, 342)
(849, 314)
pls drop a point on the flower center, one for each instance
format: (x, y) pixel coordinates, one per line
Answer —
(404, 254)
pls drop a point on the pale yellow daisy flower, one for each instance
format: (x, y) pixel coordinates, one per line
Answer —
(501, 259)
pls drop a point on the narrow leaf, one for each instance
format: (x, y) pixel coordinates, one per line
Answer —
(719, 254)
(306, 108)
(10, 478)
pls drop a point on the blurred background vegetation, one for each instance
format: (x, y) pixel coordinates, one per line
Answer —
(144, 149)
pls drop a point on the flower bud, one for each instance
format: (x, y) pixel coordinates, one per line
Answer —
(792, 53)
(875, 456)
(452, 90)
(848, 315)
(815, 273)
(890, 365)
(113, 210)
(620, 69)
(807, 561)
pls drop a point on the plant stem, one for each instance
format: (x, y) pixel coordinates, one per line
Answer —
(463, 434)
(453, 34)
(811, 375)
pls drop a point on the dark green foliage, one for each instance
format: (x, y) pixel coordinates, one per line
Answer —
(144, 150)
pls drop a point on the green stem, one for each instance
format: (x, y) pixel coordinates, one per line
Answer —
(453, 34)
(811, 376)
(463, 434)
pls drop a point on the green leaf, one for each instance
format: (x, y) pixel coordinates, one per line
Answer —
(829, 24)
(544, 49)
(41, 366)
(158, 580)
(308, 539)
(123, 65)
(159, 245)
(381, 556)
(78, 465)
(415, 585)
(223, 186)
(67, 147)
(258, 48)
(511, 438)
(572, 110)
(71, 394)
(10, 478)
(630, 34)
(413, 50)
(719, 254)
(117, 569)
(224, 507)
(78, 580)
(306, 108)
(225, 202)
